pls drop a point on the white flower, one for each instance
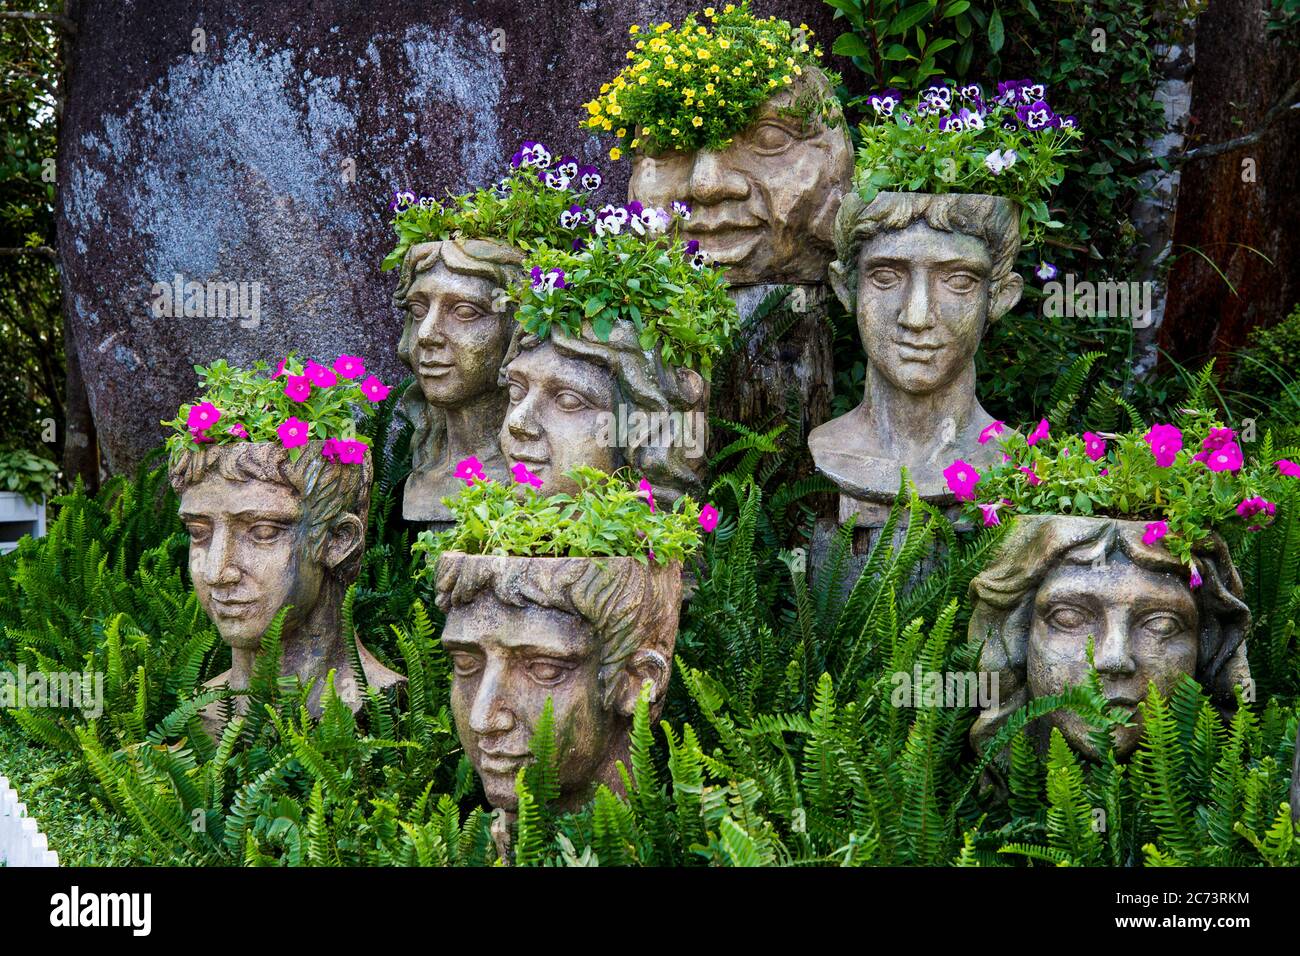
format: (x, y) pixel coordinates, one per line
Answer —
(997, 161)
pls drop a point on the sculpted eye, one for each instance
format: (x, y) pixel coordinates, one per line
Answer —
(961, 282)
(265, 533)
(546, 672)
(418, 309)
(884, 278)
(771, 138)
(1067, 618)
(199, 533)
(1163, 625)
(570, 401)
(517, 391)
(464, 664)
(466, 311)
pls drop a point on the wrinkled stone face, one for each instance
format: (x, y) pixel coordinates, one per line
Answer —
(1145, 628)
(249, 555)
(558, 405)
(923, 301)
(765, 206)
(457, 339)
(507, 661)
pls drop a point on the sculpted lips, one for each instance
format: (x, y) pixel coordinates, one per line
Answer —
(913, 351)
(232, 607)
(725, 238)
(500, 761)
(434, 369)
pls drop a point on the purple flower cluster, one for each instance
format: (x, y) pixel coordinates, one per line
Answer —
(612, 220)
(1017, 104)
(544, 283)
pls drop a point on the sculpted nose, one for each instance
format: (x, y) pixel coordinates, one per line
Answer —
(712, 181)
(219, 563)
(522, 421)
(916, 311)
(490, 714)
(1114, 656)
(429, 331)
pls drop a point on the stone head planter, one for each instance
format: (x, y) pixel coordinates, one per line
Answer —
(268, 533)
(765, 206)
(458, 325)
(1057, 580)
(923, 274)
(575, 400)
(586, 633)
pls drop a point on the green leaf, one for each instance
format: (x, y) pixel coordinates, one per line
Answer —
(997, 35)
(850, 44)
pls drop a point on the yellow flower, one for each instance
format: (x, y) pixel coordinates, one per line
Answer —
(771, 82)
(615, 154)
(735, 71)
(771, 61)
(724, 43)
(701, 31)
(640, 44)
(621, 132)
(607, 125)
(722, 102)
(789, 61)
(634, 29)
(662, 27)
(675, 131)
(715, 69)
(636, 143)
(786, 79)
(604, 87)
(729, 8)
(749, 63)
(593, 108)
(669, 61)
(702, 53)
(643, 79)
(798, 70)
(697, 122)
(686, 68)
(631, 54)
(708, 87)
(615, 109)
(710, 12)
(689, 91)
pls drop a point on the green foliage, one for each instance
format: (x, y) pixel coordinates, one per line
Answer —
(642, 276)
(28, 474)
(606, 517)
(697, 86)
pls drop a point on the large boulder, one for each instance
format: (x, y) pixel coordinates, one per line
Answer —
(264, 149)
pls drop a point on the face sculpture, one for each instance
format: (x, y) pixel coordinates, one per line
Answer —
(259, 543)
(1058, 581)
(765, 206)
(580, 401)
(586, 634)
(923, 275)
(457, 330)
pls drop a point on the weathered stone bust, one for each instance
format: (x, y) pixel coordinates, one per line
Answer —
(765, 207)
(580, 401)
(267, 533)
(458, 325)
(1058, 580)
(586, 633)
(924, 275)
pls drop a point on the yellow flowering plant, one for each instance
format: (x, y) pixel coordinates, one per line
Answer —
(694, 87)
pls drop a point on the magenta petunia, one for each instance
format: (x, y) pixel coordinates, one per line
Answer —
(319, 375)
(374, 389)
(279, 370)
(297, 387)
(330, 449)
(1094, 446)
(990, 512)
(1216, 439)
(199, 436)
(1030, 475)
(1153, 532)
(962, 479)
(1288, 468)
(1165, 442)
(349, 366)
(202, 415)
(238, 430)
(525, 477)
(1041, 431)
(708, 517)
(1225, 458)
(1256, 505)
(293, 432)
(646, 490)
(1195, 580)
(352, 452)
(469, 469)
(990, 432)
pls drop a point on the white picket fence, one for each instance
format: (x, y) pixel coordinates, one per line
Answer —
(21, 841)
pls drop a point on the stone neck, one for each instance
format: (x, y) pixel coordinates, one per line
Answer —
(308, 650)
(474, 427)
(916, 423)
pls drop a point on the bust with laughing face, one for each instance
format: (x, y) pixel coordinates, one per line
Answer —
(923, 275)
(765, 206)
(458, 326)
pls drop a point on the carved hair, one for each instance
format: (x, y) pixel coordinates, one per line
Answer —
(495, 261)
(645, 384)
(630, 606)
(326, 490)
(1002, 599)
(991, 219)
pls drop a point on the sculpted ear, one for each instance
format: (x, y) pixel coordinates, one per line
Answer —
(645, 665)
(842, 283)
(1006, 295)
(347, 535)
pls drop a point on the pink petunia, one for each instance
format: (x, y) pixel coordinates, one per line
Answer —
(1104, 472)
(990, 512)
(1154, 531)
(1031, 476)
(297, 387)
(279, 370)
(330, 449)
(238, 430)
(525, 477)
(1256, 505)
(1288, 468)
(1216, 439)
(469, 469)
(646, 490)
(1165, 442)
(1226, 458)
(990, 432)
(962, 479)
(374, 389)
(1195, 580)
(293, 432)
(352, 452)
(199, 436)
(349, 366)
(708, 518)
(1094, 446)
(1041, 431)
(201, 416)
(320, 376)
